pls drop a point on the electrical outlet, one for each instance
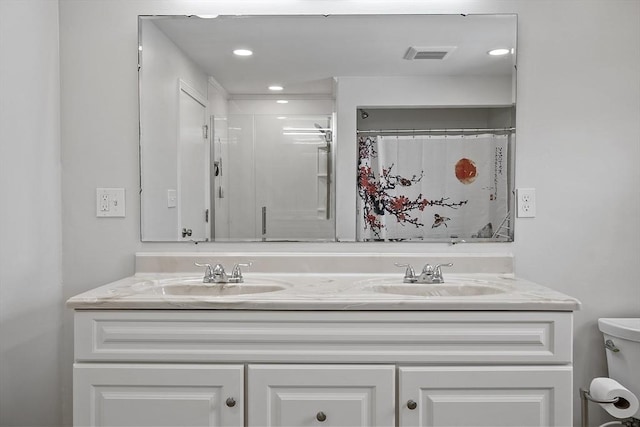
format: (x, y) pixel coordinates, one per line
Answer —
(110, 202)
(526, 202)
(103, 199)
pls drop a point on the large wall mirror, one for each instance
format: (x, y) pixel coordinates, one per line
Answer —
(325, 128)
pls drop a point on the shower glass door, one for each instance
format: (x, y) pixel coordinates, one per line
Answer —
(291, 160)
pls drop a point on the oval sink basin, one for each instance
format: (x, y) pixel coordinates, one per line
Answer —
(194, 287)
(439, 290)
(218, 289)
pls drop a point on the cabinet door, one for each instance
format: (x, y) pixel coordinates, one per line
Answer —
(493, 396)
(157, 395)
(321, 395)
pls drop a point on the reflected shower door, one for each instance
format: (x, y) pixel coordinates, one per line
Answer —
(293, 158)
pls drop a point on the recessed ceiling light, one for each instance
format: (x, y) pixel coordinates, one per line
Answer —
(282, 101)
(242, 52)
(275, 87)
(499, 52)
(281, 117)
(207, 16)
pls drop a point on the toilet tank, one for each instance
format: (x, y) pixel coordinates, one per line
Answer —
(624, 365)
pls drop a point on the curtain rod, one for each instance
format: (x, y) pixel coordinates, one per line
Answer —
(473, 130)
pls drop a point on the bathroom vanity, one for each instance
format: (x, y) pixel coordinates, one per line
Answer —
(338, 348)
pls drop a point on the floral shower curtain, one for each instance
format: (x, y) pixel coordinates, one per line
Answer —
(417, 187)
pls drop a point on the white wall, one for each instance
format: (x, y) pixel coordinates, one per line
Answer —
(577, 144)
(31, 302)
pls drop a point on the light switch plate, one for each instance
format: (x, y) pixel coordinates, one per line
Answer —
(110, 202)
(172, 198)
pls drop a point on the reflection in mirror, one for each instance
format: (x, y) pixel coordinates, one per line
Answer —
(438, 173)
(282, 164)
(347, 127)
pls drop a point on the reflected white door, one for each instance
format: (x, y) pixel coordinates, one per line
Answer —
(193, 161)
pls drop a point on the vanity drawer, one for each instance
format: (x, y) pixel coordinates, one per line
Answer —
(434, 337)
(309, 395)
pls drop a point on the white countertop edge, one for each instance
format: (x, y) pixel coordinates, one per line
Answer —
(322, 292)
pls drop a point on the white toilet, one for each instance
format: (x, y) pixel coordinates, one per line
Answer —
(623, 334)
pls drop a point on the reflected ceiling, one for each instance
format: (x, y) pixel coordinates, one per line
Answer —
(299, 52)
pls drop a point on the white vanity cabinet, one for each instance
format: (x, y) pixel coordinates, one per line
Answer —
(322, 368)
(486, 396)
(158, 395)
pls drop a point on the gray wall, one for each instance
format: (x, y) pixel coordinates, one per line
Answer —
(578, 133)
(31, 302)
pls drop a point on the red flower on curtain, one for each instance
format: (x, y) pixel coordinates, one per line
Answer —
(375, 192)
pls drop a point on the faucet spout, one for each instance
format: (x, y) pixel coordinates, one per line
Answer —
(433, 274)
(218, 275)
(214, 274)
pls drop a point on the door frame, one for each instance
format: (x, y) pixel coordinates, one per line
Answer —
(201, 99)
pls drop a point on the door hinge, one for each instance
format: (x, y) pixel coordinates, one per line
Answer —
(205, 131)
(206, 215)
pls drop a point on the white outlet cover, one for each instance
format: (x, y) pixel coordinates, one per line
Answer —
(110, 202)
(526, 202)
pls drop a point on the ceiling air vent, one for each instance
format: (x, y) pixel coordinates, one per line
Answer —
(428, 52)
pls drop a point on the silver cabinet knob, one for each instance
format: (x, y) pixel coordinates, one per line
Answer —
(412, 405)
(320, 416)
(231, 402)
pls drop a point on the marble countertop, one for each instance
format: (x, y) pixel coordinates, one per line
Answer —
(306, 291)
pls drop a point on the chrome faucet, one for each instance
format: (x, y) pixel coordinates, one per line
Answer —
(236, 273)
(430, 274)
(409, 273)
(216, 274)
(433, 274)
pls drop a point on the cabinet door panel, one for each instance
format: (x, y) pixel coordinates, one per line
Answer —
(316, 395)
(518, 396)
(157, 395)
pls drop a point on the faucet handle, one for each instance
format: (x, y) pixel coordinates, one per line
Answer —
(409, 273)
(437, 268)
(208, 269)
(236, 273)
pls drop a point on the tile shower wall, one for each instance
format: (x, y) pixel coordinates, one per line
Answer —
(578, 136)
